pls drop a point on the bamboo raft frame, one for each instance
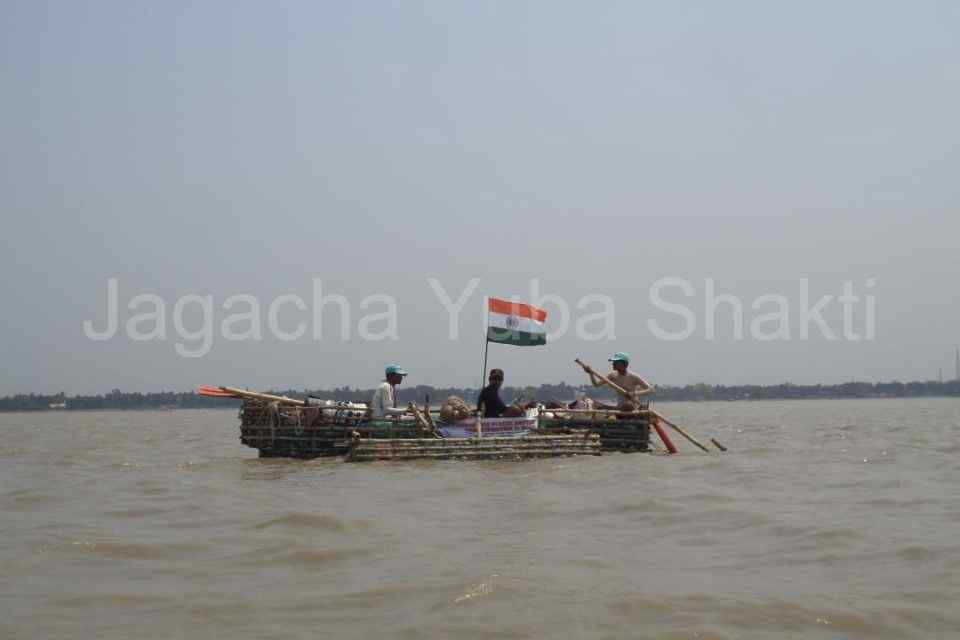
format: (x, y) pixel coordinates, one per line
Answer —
(283, 429)
(619, 435)
(517, 448)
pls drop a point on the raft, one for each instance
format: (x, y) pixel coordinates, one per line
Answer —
(343, 429)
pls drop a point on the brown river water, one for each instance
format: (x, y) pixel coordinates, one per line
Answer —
(826, 519)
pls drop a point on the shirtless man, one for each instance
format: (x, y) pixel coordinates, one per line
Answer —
(633, 384)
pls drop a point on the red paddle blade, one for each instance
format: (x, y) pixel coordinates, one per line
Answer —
(213, 392)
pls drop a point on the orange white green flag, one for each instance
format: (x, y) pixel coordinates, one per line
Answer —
(515, 323)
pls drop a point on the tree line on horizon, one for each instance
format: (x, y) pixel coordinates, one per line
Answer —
(562, 392)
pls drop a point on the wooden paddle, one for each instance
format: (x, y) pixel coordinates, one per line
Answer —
(214, 392)
(627, 396)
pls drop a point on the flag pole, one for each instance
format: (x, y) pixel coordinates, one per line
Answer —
(486, 346)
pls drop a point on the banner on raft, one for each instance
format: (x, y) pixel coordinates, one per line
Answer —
(490, 428)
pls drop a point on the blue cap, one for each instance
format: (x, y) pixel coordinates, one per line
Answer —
(620, 355)
(393, 368)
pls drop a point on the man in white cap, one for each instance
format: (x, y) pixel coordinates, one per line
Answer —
(384, 401)
(633, 384)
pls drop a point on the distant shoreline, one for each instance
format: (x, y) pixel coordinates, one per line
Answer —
(233, 405)
(168, 400)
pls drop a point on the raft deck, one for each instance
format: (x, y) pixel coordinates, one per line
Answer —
(515, 448)
(291, 431)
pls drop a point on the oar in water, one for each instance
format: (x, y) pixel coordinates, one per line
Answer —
(626, 395)
(679, 430)
(667, 442)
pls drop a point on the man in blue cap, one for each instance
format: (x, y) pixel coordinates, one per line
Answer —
(633, 384)
(384, 401)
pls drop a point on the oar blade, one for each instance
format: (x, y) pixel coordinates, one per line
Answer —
(213, 392)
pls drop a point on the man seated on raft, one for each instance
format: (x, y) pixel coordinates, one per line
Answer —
(492, 406)
(633, 384)
(384, 401)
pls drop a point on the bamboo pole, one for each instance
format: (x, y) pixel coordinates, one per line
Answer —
(627, 396)
(426, 414)
(623, 392)
(269, 397)
(266, 397)
(415, 410)
(603, 412)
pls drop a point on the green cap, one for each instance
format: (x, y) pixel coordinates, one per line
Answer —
(393, 368)
(620, 355)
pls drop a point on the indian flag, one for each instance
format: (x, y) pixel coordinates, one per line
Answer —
(515, 323)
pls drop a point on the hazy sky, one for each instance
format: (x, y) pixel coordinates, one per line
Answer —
(221, 148)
